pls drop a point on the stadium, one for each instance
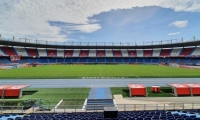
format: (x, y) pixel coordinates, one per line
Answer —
(114, 60)
(93, 67)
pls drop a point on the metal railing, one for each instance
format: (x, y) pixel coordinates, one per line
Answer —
(95, 108)
(72, 43)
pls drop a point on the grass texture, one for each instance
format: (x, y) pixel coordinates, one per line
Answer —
(75, 96)
(79, 71)
(124, 91)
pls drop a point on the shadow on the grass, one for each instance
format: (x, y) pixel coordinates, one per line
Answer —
(167, 90)
(29, 92)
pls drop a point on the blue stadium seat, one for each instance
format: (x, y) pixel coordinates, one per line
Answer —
(52, 60)
(147, 60)
(122, 115)
(118, 60)
(109, 60)
(60, 60)
(100, 60)
(82, 60)
(67, 60)
(140, 60)
(126, 60)
(133, 60)
(91, 60)
(43, 60)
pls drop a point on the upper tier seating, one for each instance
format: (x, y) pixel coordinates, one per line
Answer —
(176, 51)
(60, 53)
(124, 52)
(165, 52)
(76, 53)
(186, 51)
(1, 53)
(117, 53)
(148, 53)
(32, 52)
(109, 53)
(139, 53)
(42, 52)
(8, 51)
(132, 53)
(21, 51)
(156, 52)
(92, 53)
(51, 53)
(100, 53)
(196, 51)
(68, 53)
(84, 53)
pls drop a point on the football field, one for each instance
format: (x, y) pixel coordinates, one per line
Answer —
(79, 71)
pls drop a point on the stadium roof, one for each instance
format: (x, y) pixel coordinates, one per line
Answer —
(84, 45)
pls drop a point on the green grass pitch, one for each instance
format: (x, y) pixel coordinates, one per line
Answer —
(79, 71)
(73, 97)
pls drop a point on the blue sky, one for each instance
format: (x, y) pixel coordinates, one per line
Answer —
(101, 21)
(142, 24)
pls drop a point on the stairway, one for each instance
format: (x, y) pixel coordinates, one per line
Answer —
(98, 98)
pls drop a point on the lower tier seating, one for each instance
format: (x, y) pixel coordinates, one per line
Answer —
(153, 60)
(122, 115)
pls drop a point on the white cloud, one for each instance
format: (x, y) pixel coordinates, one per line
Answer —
(87, 28)
(179, 24)
(175, 33)
(29, 18)
(82, 37)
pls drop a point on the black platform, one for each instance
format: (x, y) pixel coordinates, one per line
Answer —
(110, 112)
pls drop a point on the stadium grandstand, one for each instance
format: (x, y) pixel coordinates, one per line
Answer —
(102, 103)
(43, 52)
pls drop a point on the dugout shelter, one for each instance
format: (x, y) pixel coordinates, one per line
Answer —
(12, 90)
(137, 90)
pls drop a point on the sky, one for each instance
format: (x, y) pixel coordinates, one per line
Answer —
(135, 21)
